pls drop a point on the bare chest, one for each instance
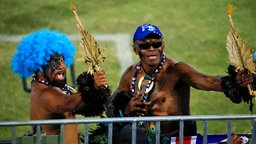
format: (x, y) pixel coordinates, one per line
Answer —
(167, 94)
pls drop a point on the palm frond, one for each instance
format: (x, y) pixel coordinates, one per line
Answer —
(240, 55)
(92, 55)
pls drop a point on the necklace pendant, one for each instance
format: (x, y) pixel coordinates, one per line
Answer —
(147, 77)
(149, 86)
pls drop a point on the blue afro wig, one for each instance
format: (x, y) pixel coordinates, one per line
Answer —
(35, 51)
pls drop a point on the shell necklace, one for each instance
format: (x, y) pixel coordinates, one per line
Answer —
(149, 77)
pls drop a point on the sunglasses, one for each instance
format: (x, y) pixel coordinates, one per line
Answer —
(147, 45)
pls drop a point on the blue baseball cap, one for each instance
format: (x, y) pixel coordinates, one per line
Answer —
(143, 30)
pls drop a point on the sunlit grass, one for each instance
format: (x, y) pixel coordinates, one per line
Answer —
(194, 32)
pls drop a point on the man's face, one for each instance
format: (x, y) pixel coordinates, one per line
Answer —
(55, 71)
(150, 51)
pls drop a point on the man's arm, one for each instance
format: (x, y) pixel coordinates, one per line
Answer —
(57, 101)
(205, 82)
(118, 103)
(198, 80)
(121, 96)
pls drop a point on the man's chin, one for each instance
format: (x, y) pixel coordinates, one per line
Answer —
(59, 83)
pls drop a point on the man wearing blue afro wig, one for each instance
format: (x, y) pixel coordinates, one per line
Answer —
(46, 54)
(35, 51)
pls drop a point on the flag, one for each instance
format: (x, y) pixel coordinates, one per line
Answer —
(211, 139)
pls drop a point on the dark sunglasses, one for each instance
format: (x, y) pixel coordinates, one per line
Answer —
(147, 45)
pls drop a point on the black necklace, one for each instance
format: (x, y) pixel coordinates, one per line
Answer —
(65, 89)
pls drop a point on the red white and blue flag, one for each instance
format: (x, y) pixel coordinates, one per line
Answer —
(211, 139)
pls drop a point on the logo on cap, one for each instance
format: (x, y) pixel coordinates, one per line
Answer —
(149, 27)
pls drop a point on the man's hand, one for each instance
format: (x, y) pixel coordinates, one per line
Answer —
(136, 107)
(100, 79)
(236, 139)
(244, 78)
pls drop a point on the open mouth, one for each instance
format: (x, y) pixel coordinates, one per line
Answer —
(60, 76)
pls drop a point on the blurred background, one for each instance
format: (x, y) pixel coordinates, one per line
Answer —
(194, 32)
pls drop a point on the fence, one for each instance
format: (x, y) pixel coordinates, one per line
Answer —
(134, 121)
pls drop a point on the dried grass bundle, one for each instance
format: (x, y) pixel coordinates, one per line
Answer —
(240, 55)
(92, 55)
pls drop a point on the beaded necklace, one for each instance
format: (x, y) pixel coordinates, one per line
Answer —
(65, 89)
(149, 77)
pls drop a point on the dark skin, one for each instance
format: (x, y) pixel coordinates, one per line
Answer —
(170, 95)
(50, 102)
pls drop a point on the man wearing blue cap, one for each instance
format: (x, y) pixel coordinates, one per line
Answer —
(159, 86)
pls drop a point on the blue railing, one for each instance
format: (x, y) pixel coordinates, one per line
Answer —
(134, 121)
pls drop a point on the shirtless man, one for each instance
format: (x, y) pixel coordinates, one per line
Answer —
(51, 98)
(159, 86)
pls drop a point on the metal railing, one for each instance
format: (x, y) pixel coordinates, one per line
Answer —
(134, 121)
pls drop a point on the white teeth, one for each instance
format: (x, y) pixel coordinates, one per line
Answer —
(60, 76)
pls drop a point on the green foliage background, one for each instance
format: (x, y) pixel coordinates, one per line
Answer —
(194, 32)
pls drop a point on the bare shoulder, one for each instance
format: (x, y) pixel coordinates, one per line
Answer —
(51, 93)
(181, 67)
